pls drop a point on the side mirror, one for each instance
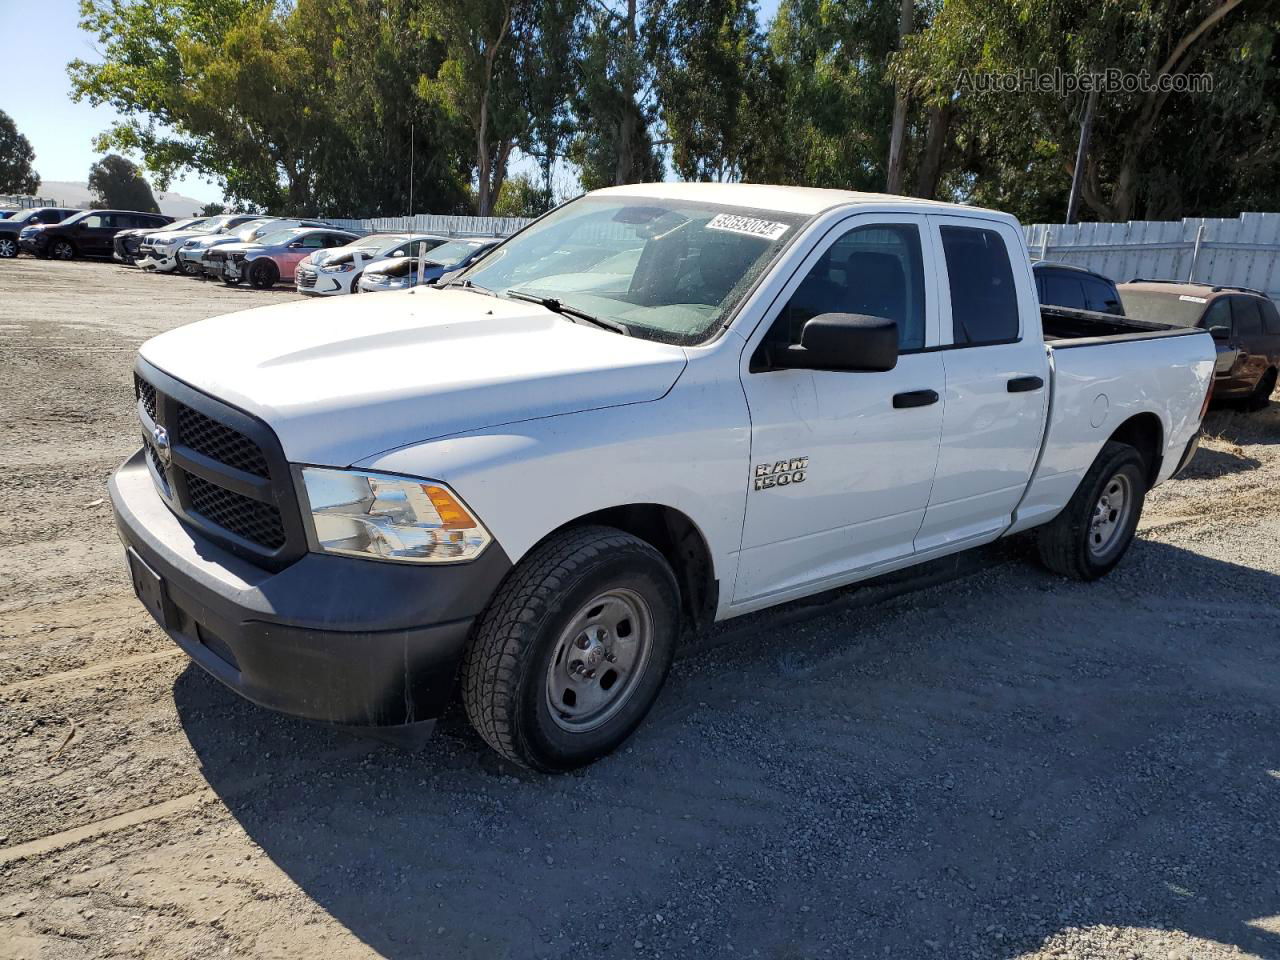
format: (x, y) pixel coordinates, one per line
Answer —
(1220, 333)
(295, 245)
(843, 341)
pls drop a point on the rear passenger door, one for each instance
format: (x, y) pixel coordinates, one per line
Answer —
(1248, 338)
(996, 372)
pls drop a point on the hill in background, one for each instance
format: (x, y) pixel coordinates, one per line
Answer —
(74, 193)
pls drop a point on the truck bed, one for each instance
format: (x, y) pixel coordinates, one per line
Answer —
(1065, 327)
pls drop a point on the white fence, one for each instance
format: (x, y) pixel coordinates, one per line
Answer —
(438, 224)
(1242, 252)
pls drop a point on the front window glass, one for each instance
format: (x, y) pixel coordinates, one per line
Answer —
(875, 271)
(670, 270)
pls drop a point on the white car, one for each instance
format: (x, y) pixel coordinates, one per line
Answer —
(337, 271)
(159, 251)
(528, 488)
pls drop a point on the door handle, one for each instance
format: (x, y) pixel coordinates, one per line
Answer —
(1025, 384)
(914, 398)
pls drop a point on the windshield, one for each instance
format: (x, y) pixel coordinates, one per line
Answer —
(277, 237)
(455, 251)
(1159, 307)
(245, 231)
(376, 244)
(191, 223)
(670, 270)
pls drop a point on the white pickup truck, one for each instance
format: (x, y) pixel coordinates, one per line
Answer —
(656, 407)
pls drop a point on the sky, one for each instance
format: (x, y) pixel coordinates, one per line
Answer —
(38, 39)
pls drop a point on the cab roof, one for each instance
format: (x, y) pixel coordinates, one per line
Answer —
(807, 201)
(1175, 288)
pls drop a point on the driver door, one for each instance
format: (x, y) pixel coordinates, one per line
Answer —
(842, 462)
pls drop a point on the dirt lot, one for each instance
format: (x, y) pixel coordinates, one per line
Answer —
(1002, 764)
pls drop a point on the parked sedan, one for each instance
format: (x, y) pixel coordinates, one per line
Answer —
(193, 255)
(11, 227)
(272, 258)
(336, 271)
(89, 233)
(159, 251)
(1244, 323)
(400, 274)
(124, 247)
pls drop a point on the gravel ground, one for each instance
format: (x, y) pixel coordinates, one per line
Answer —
(998, 764)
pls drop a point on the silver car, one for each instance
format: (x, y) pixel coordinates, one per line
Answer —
(406, 272)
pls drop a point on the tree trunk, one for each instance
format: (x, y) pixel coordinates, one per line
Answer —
(935, 148)
(898, 135)
(628, 134)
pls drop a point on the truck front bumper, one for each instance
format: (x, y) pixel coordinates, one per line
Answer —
(340, 640)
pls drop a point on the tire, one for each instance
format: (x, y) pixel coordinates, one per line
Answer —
(1094, 530)
(521, 674)
(8, 248)
(355, 282)
(187, 268)
(62, 250)
(1261, 396)
(263, 275)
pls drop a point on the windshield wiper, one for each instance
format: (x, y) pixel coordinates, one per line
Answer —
(559, 306)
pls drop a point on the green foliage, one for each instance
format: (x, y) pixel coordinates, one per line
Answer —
(212, 210)
(349, 107)
(16, 155)
(117, 184)
(711, 79)
(521, 196)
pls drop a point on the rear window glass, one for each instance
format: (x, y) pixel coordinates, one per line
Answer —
(1270, 317)
(984, 304)
(1158, 306)
(1247, 316)
(1061, 290)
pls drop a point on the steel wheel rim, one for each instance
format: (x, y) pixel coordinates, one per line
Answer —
(598, 660)
(1110, 514)
(7, 248)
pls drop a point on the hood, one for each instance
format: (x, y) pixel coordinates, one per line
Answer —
(343, 379)
(240, 246)
(215, 240)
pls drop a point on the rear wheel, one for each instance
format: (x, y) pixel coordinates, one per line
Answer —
(62, 250)
(1261, 396)
(572, 650)
(8, 247)
(263, 274)
(1095, 528)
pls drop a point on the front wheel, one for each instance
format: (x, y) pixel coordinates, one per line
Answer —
(62, 250)
(1095, 528)
(263, 274)
(8, 248)
(572, 650)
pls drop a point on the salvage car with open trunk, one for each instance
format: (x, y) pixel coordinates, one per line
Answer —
(656, 407)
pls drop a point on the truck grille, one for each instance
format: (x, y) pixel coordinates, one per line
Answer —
(219, 442)
(222, 471)
(255, 521)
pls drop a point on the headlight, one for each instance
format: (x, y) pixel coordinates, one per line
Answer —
(390, 518)
(337, 267)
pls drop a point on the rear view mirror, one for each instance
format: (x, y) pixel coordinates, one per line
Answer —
(843, 341)
(1220, 333)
